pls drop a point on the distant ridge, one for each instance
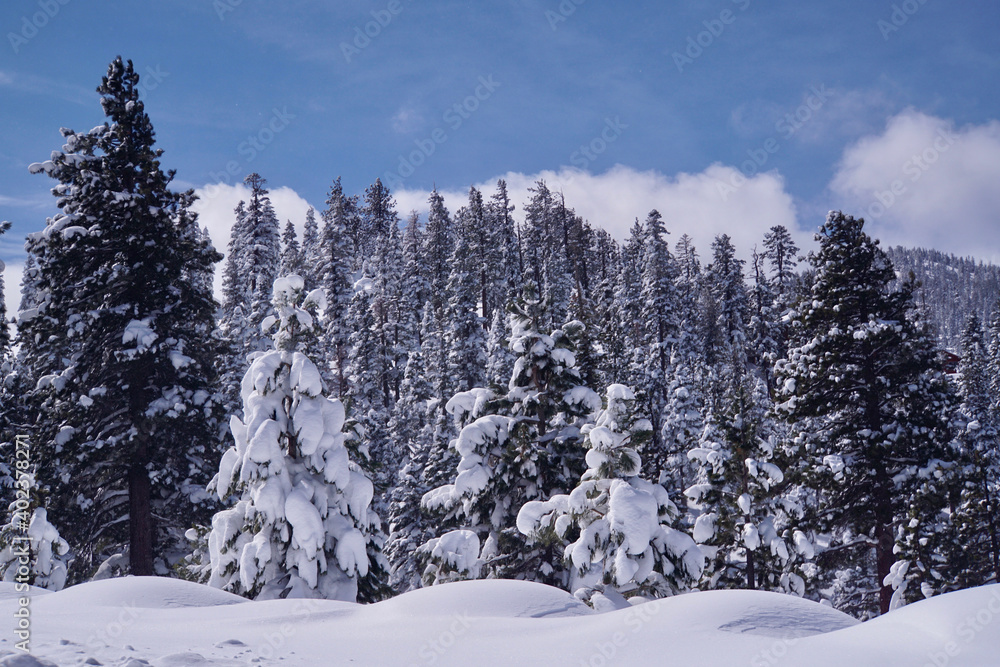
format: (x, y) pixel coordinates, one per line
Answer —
(952, 288)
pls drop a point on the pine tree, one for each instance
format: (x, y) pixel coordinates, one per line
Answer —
(766, 335)
(545, 238)
(743, 521)
(377, 217)
(602, 324)
(312, 251)
(260, 260)
(335, 271)
(780, 249)
(290, 260)
(975, 560)
(254, 260)
(129, 415)
(388, 272)
(627, 291)
(303, 524)
(414, 289)
(522, 446)
(463, 324)
(659, 336)
(623, 522)
(366, 403)
(234, 290)
(499, 359)
(439, 242)
(683, 421)
(411, 426)
(868, 406)
(784, 287)
(504, 266)
(725, 334)
(994, 360)
(580, 330)
(441, 459)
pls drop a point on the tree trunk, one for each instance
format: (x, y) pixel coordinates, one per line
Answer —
(140, 521)
(884, 538)
(991, 513)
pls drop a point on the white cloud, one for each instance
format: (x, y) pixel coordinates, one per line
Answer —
(694, 204)
(923, 182)
(215, 207)
(215, 211)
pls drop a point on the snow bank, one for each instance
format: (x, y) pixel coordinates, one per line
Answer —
(488, 598)
(143, 592)
(147, 621)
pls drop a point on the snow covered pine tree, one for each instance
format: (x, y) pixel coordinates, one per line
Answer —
(524, 445)
(122, 306)
(625, 541)
(869, 408)
(303, 524)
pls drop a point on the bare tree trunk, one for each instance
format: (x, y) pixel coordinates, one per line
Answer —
(140, 521)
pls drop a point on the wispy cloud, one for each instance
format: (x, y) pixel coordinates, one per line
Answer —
(923, 181)
(32, 202)
(690, 203)
(47, 87)
(215, 211)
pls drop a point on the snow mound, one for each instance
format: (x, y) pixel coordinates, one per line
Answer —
(490, 598)
(786, 617)
(8, 591)
(141, 593)
(491, 623)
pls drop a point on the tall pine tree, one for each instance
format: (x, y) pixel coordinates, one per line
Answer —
(130, 431)
(868, 405)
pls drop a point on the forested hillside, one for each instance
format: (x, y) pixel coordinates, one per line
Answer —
(392, 402)
(951, 288)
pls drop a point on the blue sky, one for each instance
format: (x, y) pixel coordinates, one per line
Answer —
(674, 102)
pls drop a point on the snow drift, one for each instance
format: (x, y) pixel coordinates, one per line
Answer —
(163, 622)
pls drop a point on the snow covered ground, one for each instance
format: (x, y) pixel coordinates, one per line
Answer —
(169, 623)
